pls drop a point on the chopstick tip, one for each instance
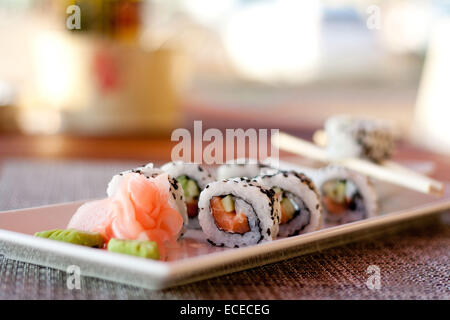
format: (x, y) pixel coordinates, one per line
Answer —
(437, 190)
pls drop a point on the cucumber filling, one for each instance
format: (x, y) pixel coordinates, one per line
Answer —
(291, 207)
(341, 197)
(191, 194)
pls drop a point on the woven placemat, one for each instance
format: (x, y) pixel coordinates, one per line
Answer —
(414, 264)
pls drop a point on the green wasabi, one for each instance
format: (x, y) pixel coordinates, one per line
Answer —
(84, 238)
(144, 249)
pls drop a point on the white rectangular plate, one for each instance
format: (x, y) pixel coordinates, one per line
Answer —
(193, 259)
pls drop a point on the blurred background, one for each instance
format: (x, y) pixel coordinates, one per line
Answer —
(135, 70)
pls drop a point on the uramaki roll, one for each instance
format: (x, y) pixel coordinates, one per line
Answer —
(346, 195)
(193, 179)
(348, 136)
(301, 210)
(239, 212)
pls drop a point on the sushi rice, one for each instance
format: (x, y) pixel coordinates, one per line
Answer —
(241, 167)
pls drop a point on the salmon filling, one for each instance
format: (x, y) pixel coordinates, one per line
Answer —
(228, 221)
(192, 208)
(284, 217)
(334, 207)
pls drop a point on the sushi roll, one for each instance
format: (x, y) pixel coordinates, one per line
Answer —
(347, 136)
(272, 166)
(301, 210)
(239, 212)
(176, 199)
(241, 167)
(193, 179)
(347, 196)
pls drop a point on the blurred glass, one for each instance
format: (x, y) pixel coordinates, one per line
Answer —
(97, 79)
(431, 127)
(293, 63)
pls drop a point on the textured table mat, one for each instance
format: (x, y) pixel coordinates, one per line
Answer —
(414, 264)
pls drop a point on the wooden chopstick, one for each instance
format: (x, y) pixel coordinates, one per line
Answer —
(320, 138)
(395, 174)
(436, 187)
